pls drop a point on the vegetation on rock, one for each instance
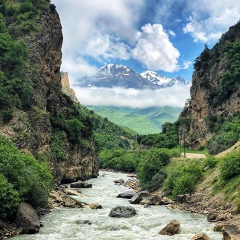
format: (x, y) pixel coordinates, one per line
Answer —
(22, 178)
(215, 94)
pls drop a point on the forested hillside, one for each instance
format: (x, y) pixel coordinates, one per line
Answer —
(212, 115)
(53, 131)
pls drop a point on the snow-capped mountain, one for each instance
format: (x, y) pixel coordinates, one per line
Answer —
(162, 81)
(113, 75)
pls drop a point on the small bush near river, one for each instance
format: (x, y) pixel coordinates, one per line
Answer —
(183, 178)
(148, 164)
(22, 178)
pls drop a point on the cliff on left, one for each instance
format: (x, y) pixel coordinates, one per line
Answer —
(34, 113)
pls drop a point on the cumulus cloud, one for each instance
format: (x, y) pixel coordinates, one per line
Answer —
(107, 30)
(209, 19)
(155, 50)
(78, 64)
(174, 96)
(105, 46)
(98, 28)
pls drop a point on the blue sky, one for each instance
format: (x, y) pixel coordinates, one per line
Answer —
(161, 35)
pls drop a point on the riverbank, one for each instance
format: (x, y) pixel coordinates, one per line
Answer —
(87, 223)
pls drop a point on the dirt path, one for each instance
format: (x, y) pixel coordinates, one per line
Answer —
(194, 155)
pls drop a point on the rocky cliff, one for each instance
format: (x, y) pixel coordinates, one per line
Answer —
(52, 127)
(215, 91)
(66, 87)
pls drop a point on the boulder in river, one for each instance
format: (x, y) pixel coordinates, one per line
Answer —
(27, 218)
(132, 175)
(122, 211)
(200, 236)
(136, 199)
(171, 228)
(212, 217)
(119, 181)
(218, 227)
(231, 232)
(95, 206)
(83, 222)
(80, 184)
(127, 194)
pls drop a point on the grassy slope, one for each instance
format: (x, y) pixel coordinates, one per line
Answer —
(143, 121)
(211, 184)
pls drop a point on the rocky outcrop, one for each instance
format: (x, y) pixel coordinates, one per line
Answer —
(66, 87)
(27, 219)
(211, 95)
(61, 198)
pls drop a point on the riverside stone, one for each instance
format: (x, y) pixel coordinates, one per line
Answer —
(95, 206)
(118, 181)
(127, 194)
(80, 184)
(231, 232)
(171, 228)
(218, 227)
(27, 218)
(136, 199)
(201, 236)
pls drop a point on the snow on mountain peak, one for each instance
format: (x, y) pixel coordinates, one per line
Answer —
(113, 75)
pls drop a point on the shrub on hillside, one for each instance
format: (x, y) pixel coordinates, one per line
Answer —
(183, 179)
(227, 135)
(230, 165)
(23, 178)
(152, 164)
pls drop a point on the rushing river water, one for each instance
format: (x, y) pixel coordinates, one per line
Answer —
(63, 223)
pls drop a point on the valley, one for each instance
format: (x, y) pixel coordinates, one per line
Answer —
(143, 121)
(58, 152)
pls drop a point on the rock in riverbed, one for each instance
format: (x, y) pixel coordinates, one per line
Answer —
(171, 228)
(80, 184)
(121, 211)
(127, 194)
(201, 236)
(27, 218)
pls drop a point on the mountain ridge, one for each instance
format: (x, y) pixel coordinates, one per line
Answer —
(113, 75)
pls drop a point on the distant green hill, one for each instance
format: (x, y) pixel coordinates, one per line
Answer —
(143, 121)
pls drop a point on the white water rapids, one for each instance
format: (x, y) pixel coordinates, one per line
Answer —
(62, 223)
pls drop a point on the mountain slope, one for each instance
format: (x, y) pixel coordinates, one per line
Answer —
(215, 90)
(143, 121)
(113, 75)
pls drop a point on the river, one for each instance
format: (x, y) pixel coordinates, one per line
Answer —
(63, 223)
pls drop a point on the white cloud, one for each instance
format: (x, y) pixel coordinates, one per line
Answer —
(172, 33)
(88, 24)
(77, 65)
(209, 19)
(185, 65)
(105, 46)
(173, 96)
(154, 49)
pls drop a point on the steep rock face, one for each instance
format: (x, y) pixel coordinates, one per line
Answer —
(35, 130)
(66, 87)
(214, 92)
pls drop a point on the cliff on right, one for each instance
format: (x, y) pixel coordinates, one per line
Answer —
(214, 106)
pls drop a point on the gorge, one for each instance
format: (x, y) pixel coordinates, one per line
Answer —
(48, 139)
